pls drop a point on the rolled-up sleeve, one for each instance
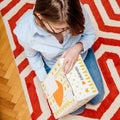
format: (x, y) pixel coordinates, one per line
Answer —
(89, 35)
(36, 62)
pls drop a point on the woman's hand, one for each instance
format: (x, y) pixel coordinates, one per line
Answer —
(71, 56)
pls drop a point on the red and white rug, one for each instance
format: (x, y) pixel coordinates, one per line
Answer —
(105, 16)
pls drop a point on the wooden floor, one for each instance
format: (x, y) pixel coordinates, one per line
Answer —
(12, 101)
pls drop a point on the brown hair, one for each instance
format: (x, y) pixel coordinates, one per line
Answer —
(57, 11)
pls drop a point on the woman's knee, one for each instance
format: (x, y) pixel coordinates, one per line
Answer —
(98, 98)
(79, 110)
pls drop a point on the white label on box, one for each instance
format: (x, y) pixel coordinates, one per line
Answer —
(51, 86)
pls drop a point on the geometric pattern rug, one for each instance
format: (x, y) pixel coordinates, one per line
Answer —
(105, 17)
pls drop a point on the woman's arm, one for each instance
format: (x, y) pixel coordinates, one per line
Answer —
(36, 62)
(85, 42)
(88, 37)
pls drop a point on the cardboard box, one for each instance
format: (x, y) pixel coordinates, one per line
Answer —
(67, 93)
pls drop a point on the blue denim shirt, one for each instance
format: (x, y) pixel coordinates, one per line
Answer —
(41, 46)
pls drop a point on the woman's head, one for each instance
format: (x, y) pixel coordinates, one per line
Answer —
(61, 12)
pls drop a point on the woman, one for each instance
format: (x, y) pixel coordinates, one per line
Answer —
(59, 28)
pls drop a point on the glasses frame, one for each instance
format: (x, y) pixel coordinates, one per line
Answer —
(64, 29)
(52, 30)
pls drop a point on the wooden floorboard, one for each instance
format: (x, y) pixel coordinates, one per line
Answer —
(12, 100)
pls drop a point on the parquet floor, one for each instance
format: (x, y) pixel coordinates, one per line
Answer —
(12, 101)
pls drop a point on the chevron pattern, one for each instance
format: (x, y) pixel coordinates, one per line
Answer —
(105, 16)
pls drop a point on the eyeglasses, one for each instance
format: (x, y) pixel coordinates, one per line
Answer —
(52, 29)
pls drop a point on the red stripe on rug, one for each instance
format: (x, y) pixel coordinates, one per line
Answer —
(1, 0)
(23, 65)
(19, 49)
(9, 7)
(52, 116)
(102, 26)
(33, 96)
(105, 41)
(116, 115)
(110, 11)
(118, 2)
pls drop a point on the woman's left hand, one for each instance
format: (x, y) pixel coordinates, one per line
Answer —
(71, 56)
